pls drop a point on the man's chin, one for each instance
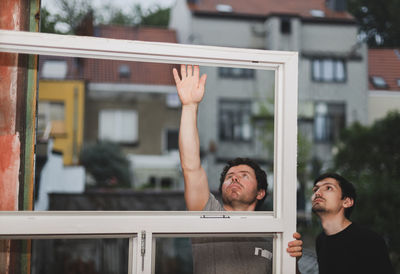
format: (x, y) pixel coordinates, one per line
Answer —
(317, 209)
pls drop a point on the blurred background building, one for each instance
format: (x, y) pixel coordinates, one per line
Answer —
(107, 131)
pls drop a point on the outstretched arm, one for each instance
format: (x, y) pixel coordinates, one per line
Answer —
(191, 91)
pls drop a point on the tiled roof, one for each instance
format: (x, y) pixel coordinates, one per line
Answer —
(98, 71)
(384, 63)
(265, 8)
(107, 71)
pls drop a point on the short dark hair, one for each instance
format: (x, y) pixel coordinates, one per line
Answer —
(261, 176)
(348, 190)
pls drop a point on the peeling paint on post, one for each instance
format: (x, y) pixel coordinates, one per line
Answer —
(9, 141)
(8, 94)
(18, 92)
(9, 168)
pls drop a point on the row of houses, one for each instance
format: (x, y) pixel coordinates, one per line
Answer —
(83, 101)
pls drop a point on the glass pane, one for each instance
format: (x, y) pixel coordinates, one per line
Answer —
(65, 256)
(120, 147)
(316, 69)
(214, 255)
(340, 74)
(327, 70)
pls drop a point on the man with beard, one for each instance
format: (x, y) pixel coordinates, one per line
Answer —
(343, 246)
(243, 185)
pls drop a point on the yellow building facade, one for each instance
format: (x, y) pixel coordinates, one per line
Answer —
(61, 116)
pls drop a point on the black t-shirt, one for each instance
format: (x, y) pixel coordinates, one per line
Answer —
(353, 250)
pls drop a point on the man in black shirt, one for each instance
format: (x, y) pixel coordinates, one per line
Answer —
(344, 247)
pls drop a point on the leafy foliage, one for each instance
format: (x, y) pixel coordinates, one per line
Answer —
(157, 18)
(379, 21)
(47, 22)
(72, 12)
(107, 164)
(370, 158)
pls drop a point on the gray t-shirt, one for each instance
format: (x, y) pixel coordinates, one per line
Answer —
(227, 255)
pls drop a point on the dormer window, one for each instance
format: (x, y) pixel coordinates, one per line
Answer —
(317, 13)
(378, 82)
(224, 8)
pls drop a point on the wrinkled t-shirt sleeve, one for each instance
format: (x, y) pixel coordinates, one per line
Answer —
(213, 204)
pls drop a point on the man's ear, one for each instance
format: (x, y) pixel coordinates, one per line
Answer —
(348, 202)
(260, 194)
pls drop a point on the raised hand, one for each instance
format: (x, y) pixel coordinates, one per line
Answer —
(190, 88)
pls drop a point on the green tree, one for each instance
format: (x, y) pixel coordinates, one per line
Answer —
(379, 21)
(71, 13)
(47, 21)
(111, 15)
(108, 165)
(157, 18)
(369, 156)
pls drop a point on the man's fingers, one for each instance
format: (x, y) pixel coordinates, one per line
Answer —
(295, 251)
(295, 243)
(176, 76)
(296, 254)
(189, 70)
(202, 81)
(183, 71)
(196, 72)
(297, 235)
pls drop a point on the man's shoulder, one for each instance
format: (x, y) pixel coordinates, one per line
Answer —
(321, 236)
(213, 204)
(364, 232)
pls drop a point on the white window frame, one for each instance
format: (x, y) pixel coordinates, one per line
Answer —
(133, 225)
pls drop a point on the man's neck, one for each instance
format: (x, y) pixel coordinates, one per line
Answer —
(239, 207)
(334, 224)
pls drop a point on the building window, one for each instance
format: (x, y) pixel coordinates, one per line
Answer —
(329, 121)
(54, 69)
(378, 82)
(328, 70)
(51, 120)
(286, 27)
(172, 100)
(124, 71)
(171, 140)
(119, 126)
(235, 121)
(225, 72)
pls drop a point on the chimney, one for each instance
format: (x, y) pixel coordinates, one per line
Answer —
(337, 5)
